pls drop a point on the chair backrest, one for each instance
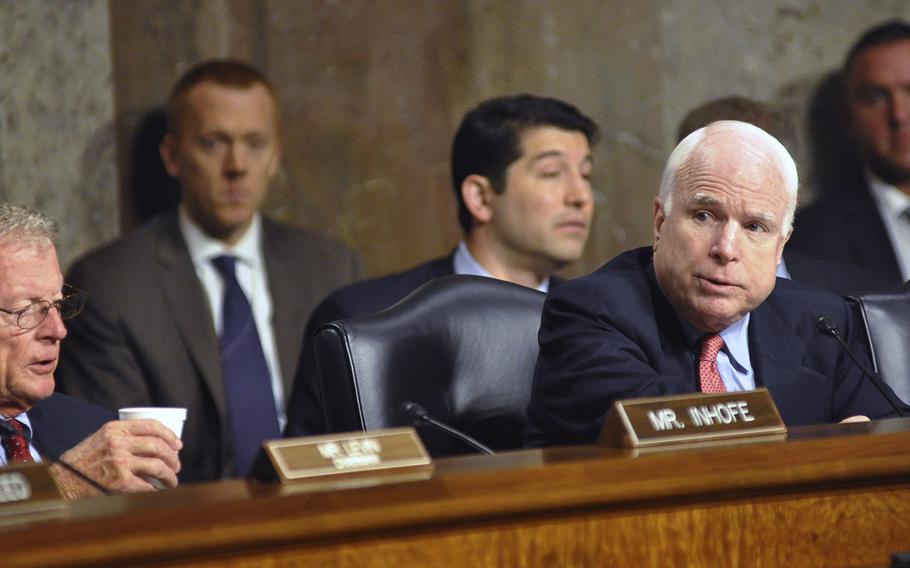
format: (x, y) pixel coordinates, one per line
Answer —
(463, 347)
(887, 320)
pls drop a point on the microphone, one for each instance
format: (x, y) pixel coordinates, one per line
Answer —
(45, 453)
(419, 416)
(826, 326)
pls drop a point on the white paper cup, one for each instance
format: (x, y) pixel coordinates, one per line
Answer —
(172, 418)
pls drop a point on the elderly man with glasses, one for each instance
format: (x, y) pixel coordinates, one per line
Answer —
(35, 422)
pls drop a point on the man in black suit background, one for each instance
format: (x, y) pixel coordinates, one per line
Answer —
(34, 301)
(521, 173)
(865, 222)
(180, 307)
(702, 308)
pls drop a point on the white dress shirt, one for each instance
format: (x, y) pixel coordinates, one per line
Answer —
(253, 280)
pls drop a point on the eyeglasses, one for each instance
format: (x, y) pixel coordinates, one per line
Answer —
(32, 315)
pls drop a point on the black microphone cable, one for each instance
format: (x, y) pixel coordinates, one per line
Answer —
(47, 454)
(826, 326)
(419, 416)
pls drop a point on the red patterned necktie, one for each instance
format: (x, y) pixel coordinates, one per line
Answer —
(16, 445)
(708, 376)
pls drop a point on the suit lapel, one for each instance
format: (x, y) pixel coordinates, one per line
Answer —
(189, 307)
(868, 236)
(777, 351)
(45, 431)
(288, 298)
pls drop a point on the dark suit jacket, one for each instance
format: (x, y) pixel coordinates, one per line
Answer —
(831, 276)
(848, 229)
(146, 336)
(613, 335)
(305, 414)
(60, 422)
(376, 294)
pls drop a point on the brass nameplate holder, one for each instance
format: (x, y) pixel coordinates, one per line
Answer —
(28, 492)
(693, 419)
(377, 452)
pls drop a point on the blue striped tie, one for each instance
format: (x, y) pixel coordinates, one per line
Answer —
(250, 400)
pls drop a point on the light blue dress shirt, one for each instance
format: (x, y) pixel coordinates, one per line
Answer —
(465, 263)
(733, 361)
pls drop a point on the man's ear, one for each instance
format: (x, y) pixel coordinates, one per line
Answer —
(659, 219)
(477, 193)
(168, 151)
(783, 243)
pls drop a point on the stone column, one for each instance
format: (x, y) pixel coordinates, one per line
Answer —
(56, 117)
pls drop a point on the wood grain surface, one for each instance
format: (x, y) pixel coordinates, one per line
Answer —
(829, 496)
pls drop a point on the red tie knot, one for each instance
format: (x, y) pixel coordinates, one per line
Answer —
(710, 347)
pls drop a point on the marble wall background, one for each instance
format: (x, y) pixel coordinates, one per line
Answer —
(373, 90)
(57, 148)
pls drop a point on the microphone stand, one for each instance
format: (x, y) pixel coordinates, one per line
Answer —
(419, 416)
(826, 326)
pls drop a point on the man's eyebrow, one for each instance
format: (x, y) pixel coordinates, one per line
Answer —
(703, 199)
(870, 84)
(765, 217)
(547, 154)
(219, 132)
(555, 154)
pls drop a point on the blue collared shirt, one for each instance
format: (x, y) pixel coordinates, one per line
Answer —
(782, 270)
(465, 263)
(733, 361)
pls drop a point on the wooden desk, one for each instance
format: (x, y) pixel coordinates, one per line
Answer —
(829, 496)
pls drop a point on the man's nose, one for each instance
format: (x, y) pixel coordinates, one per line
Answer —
(579, 192)
(53, 327)
(235, 160)
(726, 244)
(900, 108)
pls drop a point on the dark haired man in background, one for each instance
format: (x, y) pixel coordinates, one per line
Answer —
(521, 173)
(203, 307)
(868, 225)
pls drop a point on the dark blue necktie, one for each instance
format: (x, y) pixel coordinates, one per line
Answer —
(250, 400)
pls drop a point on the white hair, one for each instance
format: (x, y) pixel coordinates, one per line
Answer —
(17, 221)
(699, 144)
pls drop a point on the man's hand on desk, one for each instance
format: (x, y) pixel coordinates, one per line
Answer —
(857, 418)
(122, 456)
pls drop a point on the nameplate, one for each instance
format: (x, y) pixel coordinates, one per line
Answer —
(692, 419)
(377, 452)
(28, 491)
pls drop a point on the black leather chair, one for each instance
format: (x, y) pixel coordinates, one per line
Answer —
(887, 319)
(463, 347)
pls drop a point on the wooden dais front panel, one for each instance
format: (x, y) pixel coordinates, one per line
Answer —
(829, 496)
